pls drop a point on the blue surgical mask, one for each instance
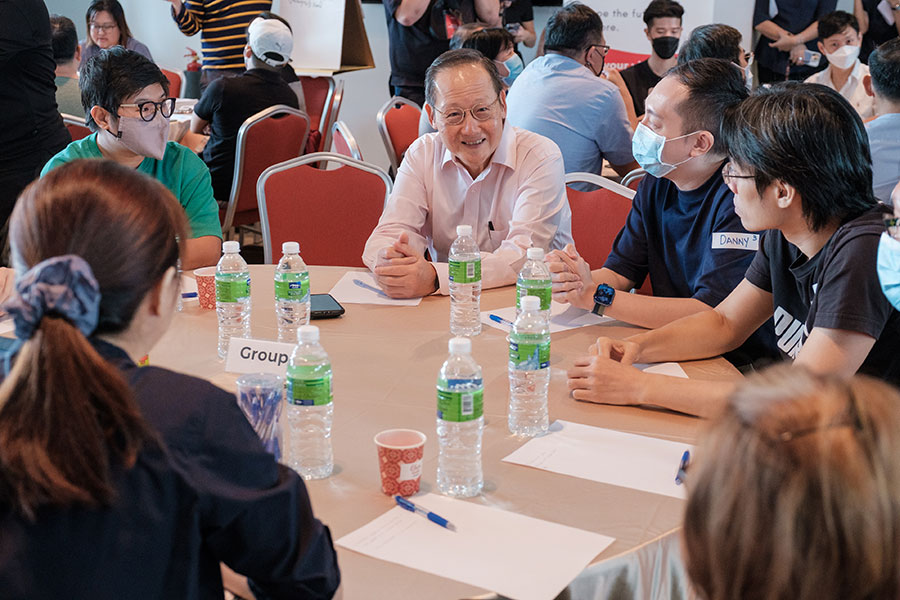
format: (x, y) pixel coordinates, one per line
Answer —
(647, 148)
(515, 66)
(888, 264)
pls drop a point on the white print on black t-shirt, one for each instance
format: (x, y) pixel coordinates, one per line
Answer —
(732, 240)
(791, 332)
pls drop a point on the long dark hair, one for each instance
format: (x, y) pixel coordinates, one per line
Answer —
(66, 414)
(118, 14)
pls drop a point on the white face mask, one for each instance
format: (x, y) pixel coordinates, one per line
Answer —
(843, 57)
(146, 138)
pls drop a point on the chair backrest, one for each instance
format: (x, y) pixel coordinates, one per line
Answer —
(398, 124)
(598, 217)
(318, 92)
(77, 129)
(174, 82)
(271, 136)
(344, 142)
(331, 213)
(334, 110)
(633, 178)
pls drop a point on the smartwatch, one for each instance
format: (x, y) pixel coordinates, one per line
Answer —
(603, 297)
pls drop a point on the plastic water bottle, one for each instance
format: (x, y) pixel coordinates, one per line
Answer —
(534, 280)
(465, 284)
(291, 293)
(232, 296)
(460, 420)
(309, 407)
(529, 370)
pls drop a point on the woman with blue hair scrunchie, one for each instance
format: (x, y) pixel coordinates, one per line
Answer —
(118, 481)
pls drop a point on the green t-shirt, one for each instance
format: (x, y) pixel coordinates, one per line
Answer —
(180, 170)
(68, 97)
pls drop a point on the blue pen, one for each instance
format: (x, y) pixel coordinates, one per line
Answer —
(371, 288)
(189, 294)
(501, 320)
(404, 503)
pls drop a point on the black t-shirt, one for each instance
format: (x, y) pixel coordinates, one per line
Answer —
(29, 120)
(793, 16)
(520, 11)
(226, 104)
(692, 245)
(639, 78)
(412, 49)
(838, 288)
(879, 31)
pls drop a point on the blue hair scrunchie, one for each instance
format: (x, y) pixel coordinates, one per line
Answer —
(62, 285)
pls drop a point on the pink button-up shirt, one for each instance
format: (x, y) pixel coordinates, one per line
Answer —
(517, 202)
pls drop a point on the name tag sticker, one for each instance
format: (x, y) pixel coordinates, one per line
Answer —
(257, 356)
(735, 241)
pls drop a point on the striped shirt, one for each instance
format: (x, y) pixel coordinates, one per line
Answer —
(223, 28)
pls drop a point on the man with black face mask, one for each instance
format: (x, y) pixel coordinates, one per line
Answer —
(663, 19)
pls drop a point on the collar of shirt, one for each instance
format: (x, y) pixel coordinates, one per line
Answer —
(505, 154)
(561, 62)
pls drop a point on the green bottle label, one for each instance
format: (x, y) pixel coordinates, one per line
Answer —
(232, 291)
(529, 352)
(292, 286)
(458, 407)
(535, 287)
(309, 392)
(462, 271)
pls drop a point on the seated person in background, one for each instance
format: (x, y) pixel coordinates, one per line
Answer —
(718, 41)
(839, 42)
(495, 43)
(126, 104)
(67, 54)
(508, 184)
(152, 478)
(561, 96)
(883, 84)
(682, 230)
(663, 20)
(229, 101)
(795, 492)
(800, 170)
(107, 28)
(873, 24)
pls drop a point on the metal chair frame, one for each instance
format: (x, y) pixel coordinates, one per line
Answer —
(382, 127)
(600, 181)
(341, 127)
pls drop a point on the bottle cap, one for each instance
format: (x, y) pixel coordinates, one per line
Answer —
(308, 333)
(290, 248)
(460, 345)
(535, 254)
(462, 230)
(231, 246)
(530, 303)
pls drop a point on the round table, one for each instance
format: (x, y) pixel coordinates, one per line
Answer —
(385, 361)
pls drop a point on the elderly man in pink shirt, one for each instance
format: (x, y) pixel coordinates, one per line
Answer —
(507, 183)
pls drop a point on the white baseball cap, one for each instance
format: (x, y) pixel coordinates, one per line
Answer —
(271, 41)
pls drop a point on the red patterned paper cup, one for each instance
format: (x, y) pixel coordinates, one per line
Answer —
(400, 454)
(206, 287)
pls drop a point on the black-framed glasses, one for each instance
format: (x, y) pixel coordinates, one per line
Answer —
(481, 112)
(148, 108)
(728, 173)
(853, 420)
(98, 27)
(683, 465)
(604, 49)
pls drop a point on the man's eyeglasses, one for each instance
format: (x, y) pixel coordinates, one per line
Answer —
(148, 108)
(482, 112)
(729, 174)
(604, 49)
(104, 28)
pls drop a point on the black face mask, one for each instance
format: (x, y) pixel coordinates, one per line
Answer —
(665, 47)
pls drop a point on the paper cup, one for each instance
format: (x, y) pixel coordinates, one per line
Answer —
(400, 460)
(206, 287)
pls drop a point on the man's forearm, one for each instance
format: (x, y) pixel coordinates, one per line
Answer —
(689, 396)
(701, 335)
(808, 34)
(771, 30)
(652, 312)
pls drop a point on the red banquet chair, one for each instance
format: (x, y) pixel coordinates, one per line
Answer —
(174, 82)
(271, 136)
(598, 216)
(344, 142)
(330, 212)
(77, 129)
(323, 97)
(398, 124)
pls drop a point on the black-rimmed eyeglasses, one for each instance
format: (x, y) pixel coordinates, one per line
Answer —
(481, 112)
(148, 108)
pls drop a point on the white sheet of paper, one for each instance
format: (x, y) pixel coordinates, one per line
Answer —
(623, 459)
(346, 291)
(497, 550)
(562, 317)
(885, 9)
(672, 369)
